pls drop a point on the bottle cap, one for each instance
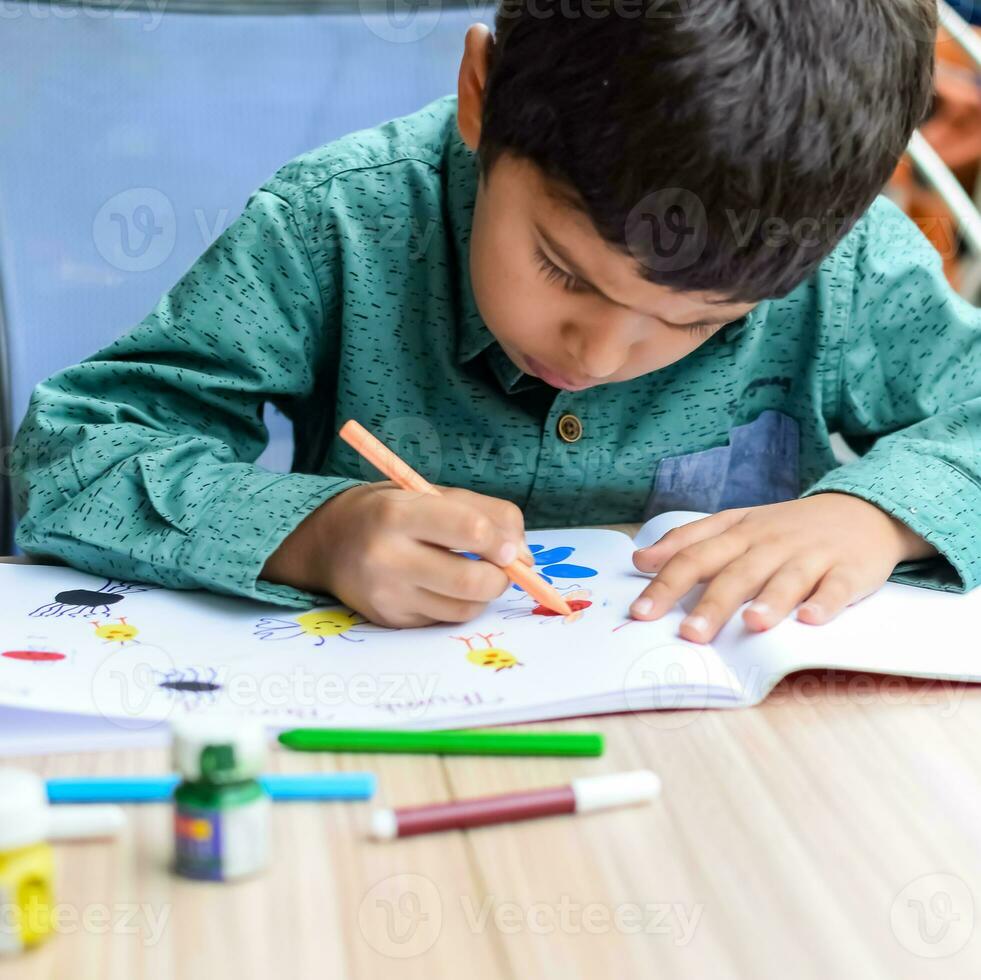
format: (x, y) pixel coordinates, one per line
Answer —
(23, 809)
(218, 749)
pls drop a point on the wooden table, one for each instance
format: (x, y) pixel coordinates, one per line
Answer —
(834, 831)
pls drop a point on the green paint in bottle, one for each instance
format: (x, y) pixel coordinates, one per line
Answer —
(222, 813)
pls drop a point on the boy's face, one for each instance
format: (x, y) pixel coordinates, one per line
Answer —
(564, 305)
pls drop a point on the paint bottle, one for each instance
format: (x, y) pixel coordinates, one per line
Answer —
(222, 813)
(26, 862)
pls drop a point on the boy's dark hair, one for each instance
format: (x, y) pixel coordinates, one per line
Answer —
(728, 145)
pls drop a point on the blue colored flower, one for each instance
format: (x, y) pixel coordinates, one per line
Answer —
(550, 564)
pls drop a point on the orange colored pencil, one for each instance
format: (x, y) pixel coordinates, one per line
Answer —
(398, 471)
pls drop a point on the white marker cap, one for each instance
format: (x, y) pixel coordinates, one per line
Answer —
(615, 789)
(84, 822)
(219, 748)
(23, 809)
(26, 817)
(384, 825)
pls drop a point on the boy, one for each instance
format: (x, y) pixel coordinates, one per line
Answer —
(636, 265)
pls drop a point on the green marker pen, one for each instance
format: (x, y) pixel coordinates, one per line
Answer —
(221, 816)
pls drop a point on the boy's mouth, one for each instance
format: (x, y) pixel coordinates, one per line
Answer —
(550, 377)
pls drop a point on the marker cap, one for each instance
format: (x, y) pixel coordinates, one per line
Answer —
(615, 789)
(23, 809)
(219, 749)
(85, 821)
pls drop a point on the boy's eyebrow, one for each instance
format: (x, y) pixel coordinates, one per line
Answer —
(575, 270)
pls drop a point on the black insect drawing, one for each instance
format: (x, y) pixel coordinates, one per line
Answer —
(192, 686)
(89, 602)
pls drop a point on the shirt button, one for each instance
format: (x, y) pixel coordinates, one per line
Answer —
(570, 428)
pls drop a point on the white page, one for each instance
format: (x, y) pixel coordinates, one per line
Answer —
(194, 652)
(139, 655)
(901, 629)
(25, 731)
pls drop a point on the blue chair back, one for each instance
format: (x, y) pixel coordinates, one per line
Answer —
(130, 137)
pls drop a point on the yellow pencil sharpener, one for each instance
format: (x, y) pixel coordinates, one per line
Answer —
(26, 862)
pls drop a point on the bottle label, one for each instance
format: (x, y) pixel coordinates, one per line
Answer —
(221, 844)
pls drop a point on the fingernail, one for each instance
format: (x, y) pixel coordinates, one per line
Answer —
(697, 623)
(760, 608)
(642, 607)
(507, 554)
(811, 609)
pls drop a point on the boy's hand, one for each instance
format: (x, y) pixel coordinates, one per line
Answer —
(831, 550)
(385, 553)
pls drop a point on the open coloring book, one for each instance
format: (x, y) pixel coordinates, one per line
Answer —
(138, 655)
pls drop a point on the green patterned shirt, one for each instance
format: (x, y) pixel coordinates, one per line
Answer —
(342, 291)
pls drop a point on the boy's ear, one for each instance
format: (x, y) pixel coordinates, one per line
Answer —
(471, 81)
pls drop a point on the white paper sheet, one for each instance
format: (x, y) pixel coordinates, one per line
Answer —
(86, 662)
(138, 655)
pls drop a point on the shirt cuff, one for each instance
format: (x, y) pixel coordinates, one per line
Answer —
(230, 547)
(931, 497)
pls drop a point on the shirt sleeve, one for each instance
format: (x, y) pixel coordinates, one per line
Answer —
(909, 390)
(139, 463)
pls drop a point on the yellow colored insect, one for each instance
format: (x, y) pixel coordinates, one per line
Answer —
(494, 657)
(319, 624)
(119, 632)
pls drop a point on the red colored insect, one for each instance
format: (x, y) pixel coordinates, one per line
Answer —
(37, 656)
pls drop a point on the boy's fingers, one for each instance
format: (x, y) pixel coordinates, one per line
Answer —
(459, 578)
(789, 586)
(834, 592)
(450, 522)
(510, 517)
(446, 609)
(653, 557)
(685, 570)
(737, 582)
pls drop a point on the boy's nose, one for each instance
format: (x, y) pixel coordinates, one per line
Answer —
(601, 351)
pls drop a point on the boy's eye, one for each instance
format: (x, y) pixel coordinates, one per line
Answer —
(554, 274)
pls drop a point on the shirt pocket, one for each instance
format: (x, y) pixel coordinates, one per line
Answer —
(761, 465)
